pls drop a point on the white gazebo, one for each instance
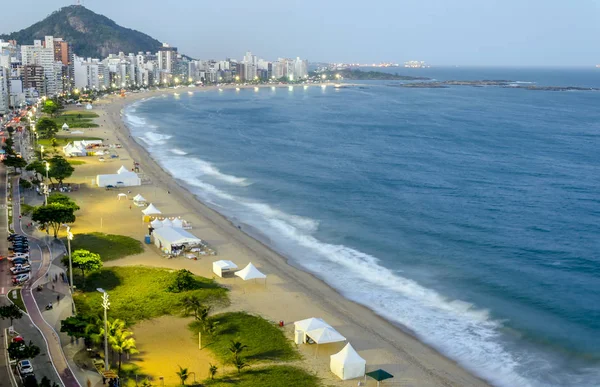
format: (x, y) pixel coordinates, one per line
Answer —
(303, 326)
(165, 238)
(139, 200)
(65, 126)
(88, 106)
(324, 335)
(122, 170)
(178, 223)
(250, 272)
(222, 267)
(151, 210)
(347, 364)
(167, 223)
(122, 195)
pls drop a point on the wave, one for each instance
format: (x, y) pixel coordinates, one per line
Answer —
(179, 152)
(153, 138)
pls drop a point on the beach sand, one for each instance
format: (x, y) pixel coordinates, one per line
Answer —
(289, 295)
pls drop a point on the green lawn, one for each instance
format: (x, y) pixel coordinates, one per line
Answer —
(273, 376)
(264, 339)
(139, 293)
(63, 140)
(19, 300)
(75, 162)
(76, 119)
(109, 246)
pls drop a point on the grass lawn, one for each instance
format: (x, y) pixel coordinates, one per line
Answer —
(18, 301)
(76, 119)
(264, 339)
(109, 246)
(75, 162)
(140, 293)
(63, 140)
(273, 376)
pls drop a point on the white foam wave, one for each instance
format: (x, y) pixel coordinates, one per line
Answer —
(178, 152)
(196, 165)
(153, 138)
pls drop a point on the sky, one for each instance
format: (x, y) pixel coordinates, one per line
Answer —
(440, 32)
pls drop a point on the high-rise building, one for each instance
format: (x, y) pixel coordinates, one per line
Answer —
(43, 55)
(90, 73)
(33, 78)
(4, 90)
(167, 56)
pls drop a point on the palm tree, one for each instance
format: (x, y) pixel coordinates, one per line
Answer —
(183, 374)
(192, 304)
(239, 363)
(122, 342)
(212, 370)
(114, 327)
(212, 327)
(236, 348)
(203, 314)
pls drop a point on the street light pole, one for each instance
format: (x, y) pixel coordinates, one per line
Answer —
(46, 190)
(105, 305)
(69, 238)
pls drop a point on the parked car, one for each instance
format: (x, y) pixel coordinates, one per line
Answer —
(17, 255)
(20, 269)
(24, 367)
(20, 261)
(18, 339)
(19, 279)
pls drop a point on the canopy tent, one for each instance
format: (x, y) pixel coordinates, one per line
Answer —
(77, 132)
(167, 223)
(89, 106)
(139, 200)
(379, 375)
(156, 224)
(325, 335)
(347, 364)
(122, 195)
(309, 324)
(65, 126)
(122, 170)
(151, 210)
(250, 272)
(222, 267)
(123, 178)
(169, 239)
(178, 223)
(72, 150)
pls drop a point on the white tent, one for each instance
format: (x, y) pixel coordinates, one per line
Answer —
(139, 200)
(156, 224)
(128, 179)
(221, 267)
(167, 223)
(151, 210)
(347, 364)
(178, 223)
(309, 324)
(122, 170)
(122, 195)
(65, 126)
(250, 272)
(325, 335)
(89, 106)
(73, 150)
(167, 237)
(77, 132)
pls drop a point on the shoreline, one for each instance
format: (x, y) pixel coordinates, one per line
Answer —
(434, 368)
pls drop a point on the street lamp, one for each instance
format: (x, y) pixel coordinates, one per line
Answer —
(105, 305)
(46, 190)
(69, 239)
(41, 152)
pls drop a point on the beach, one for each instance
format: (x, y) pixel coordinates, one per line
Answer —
(289, 293)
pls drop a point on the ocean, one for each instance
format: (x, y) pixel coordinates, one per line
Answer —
(469, 215)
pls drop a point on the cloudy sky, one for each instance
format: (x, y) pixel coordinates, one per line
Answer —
(441, 32)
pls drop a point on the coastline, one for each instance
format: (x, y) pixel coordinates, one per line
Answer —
(385, 344)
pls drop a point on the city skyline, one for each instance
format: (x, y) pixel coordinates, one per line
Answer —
(507, 34)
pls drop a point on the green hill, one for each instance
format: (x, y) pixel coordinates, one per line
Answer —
(90, 34)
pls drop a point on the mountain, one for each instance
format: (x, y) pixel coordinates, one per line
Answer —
(90, 34)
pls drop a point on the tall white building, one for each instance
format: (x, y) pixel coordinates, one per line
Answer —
(90, 73)
(39, 55)
(167, 56)
(4, 91)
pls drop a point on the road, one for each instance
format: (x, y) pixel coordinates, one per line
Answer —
(53, 344)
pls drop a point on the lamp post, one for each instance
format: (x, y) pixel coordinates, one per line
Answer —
(105, 305)
(41, 152)
(69, 239)
(46, 190)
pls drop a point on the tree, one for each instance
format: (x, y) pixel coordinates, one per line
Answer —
(212, 370)
(122, 342)
(57, 197)
(86, 261)
(14, 161)
(54, 215)
(47, 383)
(75, 326)
(184, 280)
(37, 167)
(10, 130)
(50, 107)
(192, 304)
(236, 348)
(11, 312)
(60, 168)
(46, 127)
(183, 374)
(20, 351)
(239, 363)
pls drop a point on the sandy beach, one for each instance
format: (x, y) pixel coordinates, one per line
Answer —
(290, 294)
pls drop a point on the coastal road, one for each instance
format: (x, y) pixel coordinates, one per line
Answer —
(5, 279)
(51, 338)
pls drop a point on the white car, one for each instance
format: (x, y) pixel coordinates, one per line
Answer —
(20, 269)
(21, 278)
(24, 367)
(17, 255)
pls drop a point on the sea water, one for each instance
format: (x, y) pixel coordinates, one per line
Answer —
(470, 215)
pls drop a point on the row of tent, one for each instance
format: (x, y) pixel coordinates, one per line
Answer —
(347, 363)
